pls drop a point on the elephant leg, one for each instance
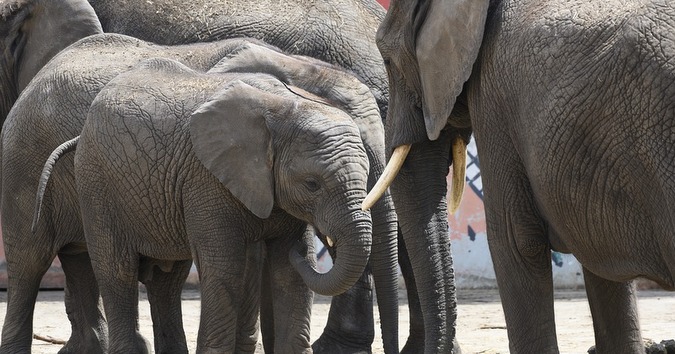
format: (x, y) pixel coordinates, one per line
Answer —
(119, 290)
(116, 269)
(615, 316)
(247, 323)
(519, 247)
(350, 325)
(415, 340)
(222, 294)
(164, 295)
(89, 332)
(25, 271)
(267, 309)
(292, 300)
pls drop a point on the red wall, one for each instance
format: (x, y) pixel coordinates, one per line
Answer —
(384, 3)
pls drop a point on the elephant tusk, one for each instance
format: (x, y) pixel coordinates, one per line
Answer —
(458, 174)
(330, 241)
(388, 175)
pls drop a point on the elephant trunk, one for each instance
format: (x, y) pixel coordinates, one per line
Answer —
(422, 214)
(352, 243)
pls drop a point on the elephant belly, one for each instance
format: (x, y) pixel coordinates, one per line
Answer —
(616, 231)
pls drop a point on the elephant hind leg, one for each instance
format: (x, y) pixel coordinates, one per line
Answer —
(615, 316)
(89, 332)
(23, 284)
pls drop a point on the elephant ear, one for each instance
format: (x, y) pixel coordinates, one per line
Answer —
(447, 45)
(230, 137)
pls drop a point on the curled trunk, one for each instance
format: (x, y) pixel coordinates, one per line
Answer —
(353, 248)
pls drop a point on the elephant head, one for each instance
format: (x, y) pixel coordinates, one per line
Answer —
(425, 87)
(312, 165)
(32, 32)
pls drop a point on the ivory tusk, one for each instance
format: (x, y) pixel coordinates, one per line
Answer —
(388, 175)
(458, 174)
(330, 242)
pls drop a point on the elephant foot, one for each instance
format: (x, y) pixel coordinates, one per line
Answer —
(651, 347)
(415, 345)
(73, 347)
(325, 344)
(88, 344)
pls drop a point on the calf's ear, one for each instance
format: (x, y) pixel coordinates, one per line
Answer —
(447, 44)
(230, 137)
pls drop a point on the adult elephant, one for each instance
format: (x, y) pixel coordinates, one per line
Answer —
(339, 32)
(571, 104)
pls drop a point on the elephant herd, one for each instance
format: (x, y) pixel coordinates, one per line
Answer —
(141, 136)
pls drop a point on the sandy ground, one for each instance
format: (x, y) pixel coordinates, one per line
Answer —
(481, 327)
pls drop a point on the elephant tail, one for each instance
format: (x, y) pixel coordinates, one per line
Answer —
(61, 150)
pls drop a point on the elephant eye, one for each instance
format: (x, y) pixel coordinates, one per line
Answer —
(312, 184)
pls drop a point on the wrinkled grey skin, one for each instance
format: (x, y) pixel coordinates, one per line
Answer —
(247, 159)
(571, 106)
(340, 32)
(32, 32)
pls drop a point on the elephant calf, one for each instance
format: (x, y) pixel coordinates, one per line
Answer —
(174, 164)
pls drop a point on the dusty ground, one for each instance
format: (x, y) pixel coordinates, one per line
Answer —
(481, 326)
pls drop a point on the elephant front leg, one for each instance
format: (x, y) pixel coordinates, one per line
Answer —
(247, 323)
(615, 316)
(221, 268)
(350, 326)
(522, 262)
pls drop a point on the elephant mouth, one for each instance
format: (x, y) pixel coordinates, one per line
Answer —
(396, 162)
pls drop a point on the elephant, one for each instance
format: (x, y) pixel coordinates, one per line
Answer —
(340, 32)
(31, 38)
(243, 157)
(571, 107)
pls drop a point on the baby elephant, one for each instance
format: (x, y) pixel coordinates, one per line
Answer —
(174, 164)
